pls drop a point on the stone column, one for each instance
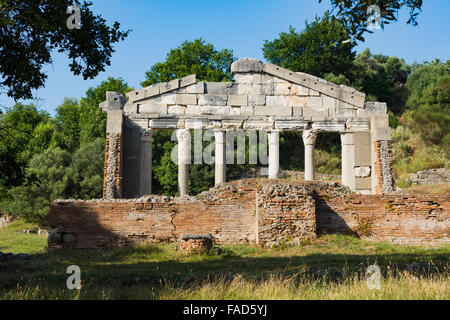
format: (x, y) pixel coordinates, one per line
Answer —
(274, 154)
(145, 183)
(220, 154)
(348, 159)
(184, 157)
(309, 139)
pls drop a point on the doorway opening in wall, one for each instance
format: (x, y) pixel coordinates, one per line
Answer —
(292, 155)
(327, 154)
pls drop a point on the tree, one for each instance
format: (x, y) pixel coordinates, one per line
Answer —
(68, 122)
(29, 32)
(19, 124)
(318, 50)
(193, 57)
(92, 119)
(87, 170)
(355, 14)
(47, 179)
(429, 104)
(382, 78)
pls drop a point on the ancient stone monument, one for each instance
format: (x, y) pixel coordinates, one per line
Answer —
(263, 97)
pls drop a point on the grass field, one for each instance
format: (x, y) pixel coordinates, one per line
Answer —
(331, 267)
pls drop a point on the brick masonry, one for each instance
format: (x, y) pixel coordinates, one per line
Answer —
(248, 211)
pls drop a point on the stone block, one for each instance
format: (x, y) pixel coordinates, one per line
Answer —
(362, 172)
(215, 110)
(114, 121)
(314, 101)
(175, 109)
(167, 98)
(188, 80)
(256, 99)
(249, 78)
(277, 101)
(382, 134)
(152, 108)
(376, 107)
(198, 87)
(362, 138)
(329, 102)
(314, 112)
(237, 100)
(212, 99)
(291, 125)
(273, 111)
(246, 65)
(296, 101)
(192, 110)
(282, 89)
(298, 90)
(163, 123)
(379, 121)
(358, 125)
(169, 86)
(328, 125)
(250, 88)
(258, 124)
(247, 111)
(363, 183)
(186, 99)
(220, 87)
(297, 111)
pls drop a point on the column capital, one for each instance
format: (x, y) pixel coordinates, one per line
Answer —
(309, 136)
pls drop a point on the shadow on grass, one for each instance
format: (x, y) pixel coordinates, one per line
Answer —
(153, 265)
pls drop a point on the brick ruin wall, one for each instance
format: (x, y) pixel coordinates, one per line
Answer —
(246, 212)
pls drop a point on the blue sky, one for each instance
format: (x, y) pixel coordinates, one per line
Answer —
(241, 25)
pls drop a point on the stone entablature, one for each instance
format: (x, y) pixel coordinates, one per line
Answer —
(263, 97)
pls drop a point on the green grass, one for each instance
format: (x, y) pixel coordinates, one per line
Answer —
(331, 267)
(12, 239)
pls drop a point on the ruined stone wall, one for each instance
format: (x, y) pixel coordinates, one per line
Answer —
(384, 167)
(245, 212)
(112, 183)
(286, 213)
(430, 176)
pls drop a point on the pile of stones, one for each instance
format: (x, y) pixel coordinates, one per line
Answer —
(430, 176)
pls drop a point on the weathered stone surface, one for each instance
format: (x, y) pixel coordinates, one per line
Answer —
(199, 87)
(362, 172)
(237, 100)
(152, 108)
(221, 87)
(277, 101)
(246, 65)
(256, 100)
(273, 111)
(169, 86)
(212, 99)
(186, 99)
